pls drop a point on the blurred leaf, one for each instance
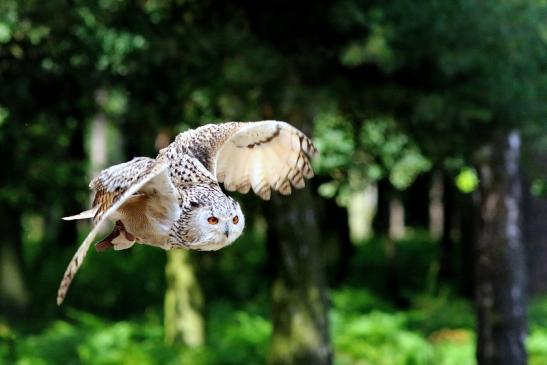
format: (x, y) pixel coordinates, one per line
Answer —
(467, 180)
(5, 33)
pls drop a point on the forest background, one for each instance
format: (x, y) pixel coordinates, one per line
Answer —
(421, 240)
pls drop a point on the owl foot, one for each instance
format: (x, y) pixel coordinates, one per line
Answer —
(106, 243)
(119, 239)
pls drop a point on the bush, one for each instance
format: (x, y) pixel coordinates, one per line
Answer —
(237, 337)
(358, 300)
(92, 341)
(379, 338)
(426, 335)
(434, 313)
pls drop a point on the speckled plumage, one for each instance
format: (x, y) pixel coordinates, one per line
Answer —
(169, 201)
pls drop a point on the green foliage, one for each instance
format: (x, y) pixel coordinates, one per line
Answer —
(334, 137)
(361, 334)
(380, 339)
(467, 180)
(365, 335)
(358, 300)
(430, 314)
(399, 157)
(355, 156)
(537, 341)
(93, 341)
(238, 337)
(365, 330)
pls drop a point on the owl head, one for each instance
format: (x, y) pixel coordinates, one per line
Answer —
(214, 224)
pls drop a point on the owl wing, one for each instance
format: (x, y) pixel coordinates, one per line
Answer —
(114, 186)
(263, 155)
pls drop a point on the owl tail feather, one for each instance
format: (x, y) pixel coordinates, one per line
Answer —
(83, 215)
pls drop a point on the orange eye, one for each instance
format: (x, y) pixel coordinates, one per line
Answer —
(236, 219)
(212, 220)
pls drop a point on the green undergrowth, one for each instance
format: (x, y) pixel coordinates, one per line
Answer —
(365, 329)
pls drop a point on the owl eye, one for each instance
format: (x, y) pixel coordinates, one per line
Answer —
(235, 220)
(212, 220)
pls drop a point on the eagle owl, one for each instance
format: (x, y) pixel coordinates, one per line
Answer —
(175, 200)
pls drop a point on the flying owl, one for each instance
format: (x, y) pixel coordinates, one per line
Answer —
(175, 200)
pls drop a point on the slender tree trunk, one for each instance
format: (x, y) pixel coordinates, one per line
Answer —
(469, 222)
(500, 260)
(416, 200)
(13, 292)
(380, 224)
(336, 248)
(397, 226)
(446, 269)
(361, 211)
(183, 302)
(436, 206)
(389, 222)
(99, 140)
(299, 308)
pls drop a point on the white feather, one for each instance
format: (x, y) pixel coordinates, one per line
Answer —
(83, 215)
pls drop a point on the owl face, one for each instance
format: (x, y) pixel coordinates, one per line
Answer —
(216, 225)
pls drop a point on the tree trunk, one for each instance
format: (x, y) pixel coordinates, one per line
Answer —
(500, 260)
(183, 302)
(436, 206)
(336, 248)
(13, 292)
(446, 269)
(361, 211)
(535, 228)
(299, 308)
(99, 142)
(416, 200)
(469, 221)
(380, 224)
(397, 227)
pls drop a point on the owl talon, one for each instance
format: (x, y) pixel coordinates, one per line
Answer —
(103, 246)
(107, 242)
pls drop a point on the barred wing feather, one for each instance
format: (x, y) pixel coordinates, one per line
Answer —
(263, 156)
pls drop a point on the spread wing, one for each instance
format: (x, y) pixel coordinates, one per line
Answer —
(115, 186)
(262, 156)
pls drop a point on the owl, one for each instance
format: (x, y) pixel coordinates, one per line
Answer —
(175, 200)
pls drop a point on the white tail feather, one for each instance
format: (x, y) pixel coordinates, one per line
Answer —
(83, 215)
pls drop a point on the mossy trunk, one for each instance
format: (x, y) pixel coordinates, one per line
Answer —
(500, 260)
(183, 302)
(299, 308)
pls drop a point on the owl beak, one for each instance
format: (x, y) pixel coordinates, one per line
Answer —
(226, 231)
